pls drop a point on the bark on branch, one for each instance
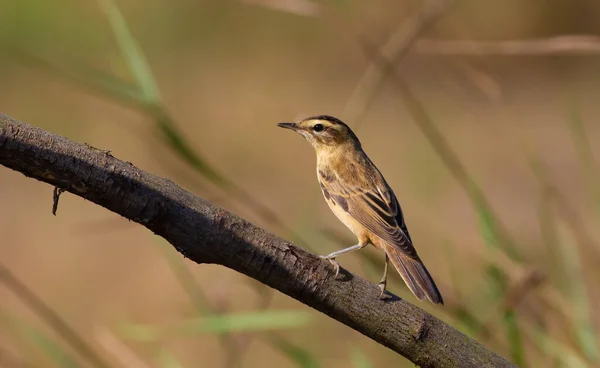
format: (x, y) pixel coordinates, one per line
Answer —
(208, 234)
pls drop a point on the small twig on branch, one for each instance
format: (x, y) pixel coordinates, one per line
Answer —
(570, 44)
(208, 234)
(55, 197)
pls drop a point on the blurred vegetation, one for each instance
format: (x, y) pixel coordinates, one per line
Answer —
(192, 91)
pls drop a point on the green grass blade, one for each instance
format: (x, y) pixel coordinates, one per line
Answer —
(141, 333)
(116, 88)
(49, 347)
(184, 277)
(221, 324)
(92, 79)
(131, 50)
(586, 157)
(563, 247)
(498, 288)
(51, 318)
(301, 357)
(469, 323)
(489, 224)
(578, 294)
(180, 145)
(553, 349)
(487, 227)
(359, 359)
(497, 282)
(548, 226)
(515, 339)
(166, 359)
(148, 100)
(246, 322)
(451, 160)
(232, 350)
(140, 69)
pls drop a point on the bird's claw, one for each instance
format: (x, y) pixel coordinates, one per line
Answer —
(381, 286)
(335, 264)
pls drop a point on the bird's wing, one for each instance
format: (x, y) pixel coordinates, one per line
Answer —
(373, 206)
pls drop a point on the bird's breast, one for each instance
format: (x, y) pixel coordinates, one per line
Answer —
(340, 207)
(345, 217)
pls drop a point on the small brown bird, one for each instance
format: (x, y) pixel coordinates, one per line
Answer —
(359, 196)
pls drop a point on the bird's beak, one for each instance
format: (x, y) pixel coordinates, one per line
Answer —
(292, 126)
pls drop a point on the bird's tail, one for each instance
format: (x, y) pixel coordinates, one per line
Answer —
(415, 275)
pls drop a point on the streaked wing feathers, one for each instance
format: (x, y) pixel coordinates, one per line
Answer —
(375, 208)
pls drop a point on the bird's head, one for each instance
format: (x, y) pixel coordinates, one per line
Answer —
(324, 132)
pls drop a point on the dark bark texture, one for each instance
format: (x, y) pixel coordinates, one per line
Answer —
(205, 233)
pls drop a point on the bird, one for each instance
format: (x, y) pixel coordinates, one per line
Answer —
(361, 199)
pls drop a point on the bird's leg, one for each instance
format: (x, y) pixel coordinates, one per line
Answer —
(331, 257)
(344, 251)
(383, 282)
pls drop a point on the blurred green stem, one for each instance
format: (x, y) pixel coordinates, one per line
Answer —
(451, 160)
(586, 157)
(53, 319)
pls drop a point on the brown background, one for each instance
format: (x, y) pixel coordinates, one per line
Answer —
(228, 71)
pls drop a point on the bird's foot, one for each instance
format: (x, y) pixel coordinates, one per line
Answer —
(335, 264)
(382, 285)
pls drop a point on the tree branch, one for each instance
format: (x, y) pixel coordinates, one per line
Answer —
(208, 234)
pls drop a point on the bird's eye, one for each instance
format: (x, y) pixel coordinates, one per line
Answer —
(318, 127)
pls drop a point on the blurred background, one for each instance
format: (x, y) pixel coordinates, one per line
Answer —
(491, 153)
